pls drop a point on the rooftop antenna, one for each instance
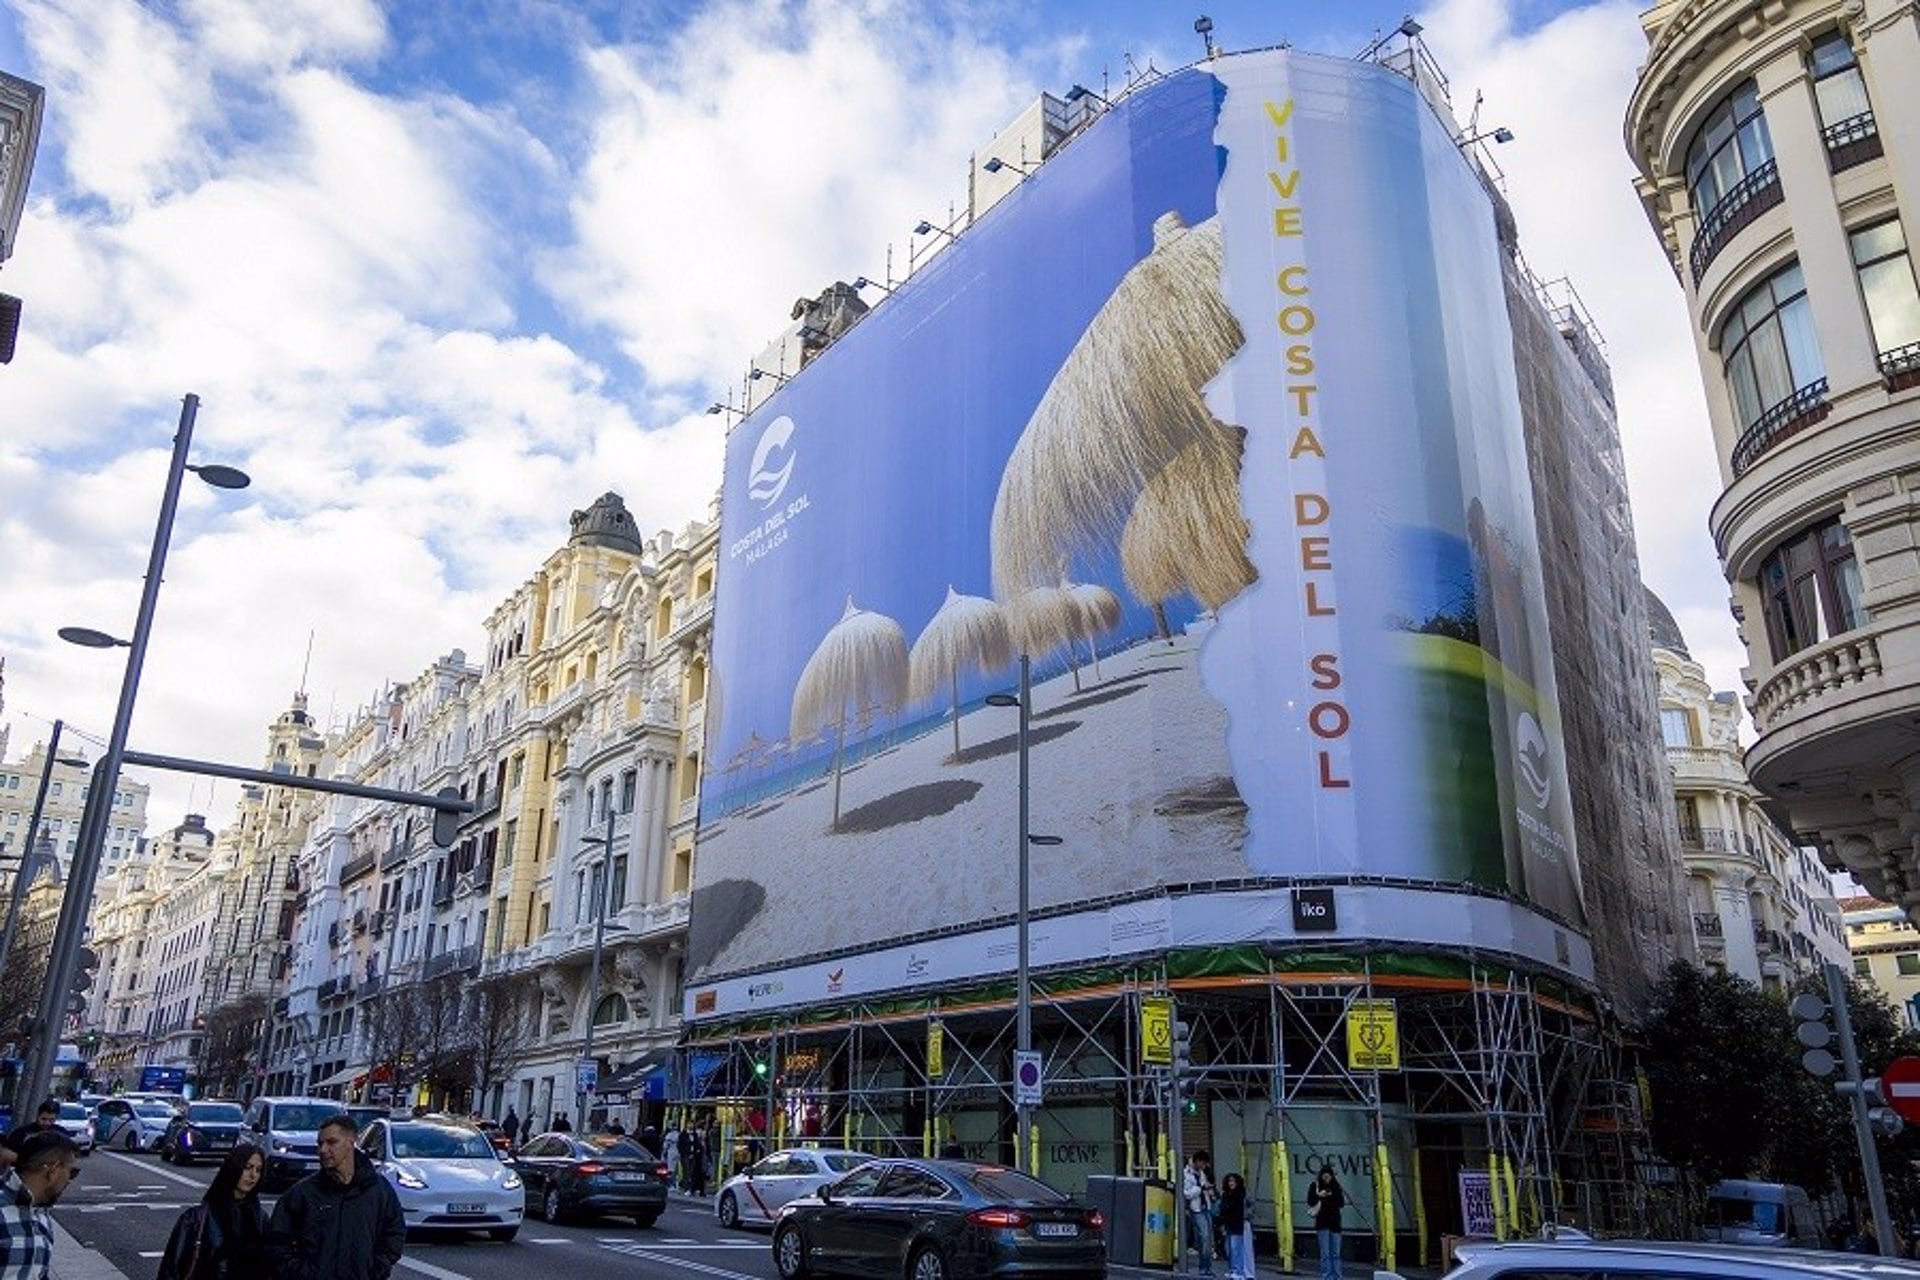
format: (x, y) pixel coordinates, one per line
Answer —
(1133, 69)
(1204, 26)
(306, 664)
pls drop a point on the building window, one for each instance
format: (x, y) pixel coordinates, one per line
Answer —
(1812, 589)
(611, 1009)
(629, 784)
(1907, 962)
(1730, 145)
(1893, 301)
(1769, 347)
(1846, 116)
(1676, 726)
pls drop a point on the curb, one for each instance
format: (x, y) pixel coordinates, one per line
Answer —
(74, 1261)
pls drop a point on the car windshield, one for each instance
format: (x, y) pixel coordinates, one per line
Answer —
(214, 1113)
(298, 1118)
(1745, 1215)
(845, 1163)
(435, 1142)
(153, 1110)
(615, 1144)
(72, 1111)
(1005, 1185)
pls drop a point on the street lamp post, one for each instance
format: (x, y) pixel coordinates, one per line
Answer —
(1023, 982)
(23, 875)
(593, 970)
(72, 926)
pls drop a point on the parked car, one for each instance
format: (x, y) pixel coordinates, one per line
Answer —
(130, 1124)
(448, 1177)
(572, 1175)
(1762, 1213)
(203, 1129)
(1569, 1259)
(938, 1220)
(288, 1130)
(77, 1123)
(364, 1117)
(755, 1194)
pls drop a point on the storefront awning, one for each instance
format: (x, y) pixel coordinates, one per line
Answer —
(347, 1076)
(645, 1078)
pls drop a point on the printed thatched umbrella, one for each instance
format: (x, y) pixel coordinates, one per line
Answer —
(1099, 613)
(1187, 533)
(859, 668)
(1048, 618)
(1123, 406)
(967, 631)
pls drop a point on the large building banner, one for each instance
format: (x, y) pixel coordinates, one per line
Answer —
(1215, 418)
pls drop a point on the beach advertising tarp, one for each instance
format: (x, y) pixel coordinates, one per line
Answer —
(1215, 418)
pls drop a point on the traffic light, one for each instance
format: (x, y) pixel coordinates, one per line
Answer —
(87, 962)
(1814, 1033)
(1884, 1120)
(760, 1068)
(1182, 1064)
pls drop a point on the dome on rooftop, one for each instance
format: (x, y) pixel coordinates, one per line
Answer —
(606, 523)
(1662, 629)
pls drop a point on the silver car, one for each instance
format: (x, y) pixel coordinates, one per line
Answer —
(448, 1177)
(1581, 1259)
(754, 1195)
(77, 1123)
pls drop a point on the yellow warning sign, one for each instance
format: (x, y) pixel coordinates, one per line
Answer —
(936, 1050)
(1156, 1031)
(1373, 1036)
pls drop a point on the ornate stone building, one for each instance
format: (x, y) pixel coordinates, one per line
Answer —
(1779, 155)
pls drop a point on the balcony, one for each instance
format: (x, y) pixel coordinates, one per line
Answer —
(1901, 367)
(1707, 925)
(1752, 196)
(369, 988)
(335, 934)
(1815, 674)
(464, 960)
(358, 867)
(443, 893)
(1716, 841)
(1853, 141)
(360, 921)
(1805, 408)
(333, 987)
(395, 857)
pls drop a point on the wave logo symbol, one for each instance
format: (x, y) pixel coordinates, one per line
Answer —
(1534, 758)
(773, 460)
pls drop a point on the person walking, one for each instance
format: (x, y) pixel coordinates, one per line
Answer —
(561, 1124)
(224, 1237)
(670, 1144)
(343, 1222)
(1325, 1200)
(46, 1118)
(1233, 1221)
(696, 1162)
(510, 1127)
(1196, 1188)
(47, 1163)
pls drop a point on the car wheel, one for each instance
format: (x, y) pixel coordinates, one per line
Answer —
(790, 1253)
(927, 1265)
(645, 1220)
(550, 1207)
(504, 1235)
(729, 1210)
(133, 1142)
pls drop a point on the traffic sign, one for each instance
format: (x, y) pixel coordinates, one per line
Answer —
(1156, 1031)
(586, 1075)
(1026, 1079)
(1900, 1082)
(936, 1050)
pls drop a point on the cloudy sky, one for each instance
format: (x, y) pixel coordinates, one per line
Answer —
(443, 271)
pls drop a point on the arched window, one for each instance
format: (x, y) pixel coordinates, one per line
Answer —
(697, 681)
(1769, 346)
(1731, 144)
(663, 621)
(612, 1008)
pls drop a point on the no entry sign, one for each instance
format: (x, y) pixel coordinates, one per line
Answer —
(1900, 1083)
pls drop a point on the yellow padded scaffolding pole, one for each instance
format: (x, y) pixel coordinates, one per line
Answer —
(1133, 1165)
(1515, 1223)
(1166, 1159)
(1383, 1195)
(1420, 1213)
(1033, 1149)
(1493, 1192)
(1283, 1204)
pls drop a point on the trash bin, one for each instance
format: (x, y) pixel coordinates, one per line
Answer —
(1157, 1228)
(1122, 1202)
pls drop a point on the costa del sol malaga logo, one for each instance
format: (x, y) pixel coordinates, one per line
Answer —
(773, 459)
(1533, 756)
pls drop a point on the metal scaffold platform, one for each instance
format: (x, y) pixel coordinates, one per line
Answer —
(1452, 1096)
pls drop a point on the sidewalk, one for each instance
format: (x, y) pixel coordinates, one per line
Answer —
(74, 1261)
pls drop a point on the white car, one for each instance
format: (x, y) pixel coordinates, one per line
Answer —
(77, 1123)
(1587, 1259)
(448, 1177)
(755, 1194)
(131, 1125)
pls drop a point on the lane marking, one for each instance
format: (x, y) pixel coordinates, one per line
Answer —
(547, 1240)
(641, 1251)
(428, 1269)
(150, 1171)
(153, 1253)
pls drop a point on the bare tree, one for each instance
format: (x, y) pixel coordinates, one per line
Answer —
(501, 1022)
(230, 1045)
(445, 1043)
(389, 1025)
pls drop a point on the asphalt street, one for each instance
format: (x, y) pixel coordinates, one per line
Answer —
(123, 1206)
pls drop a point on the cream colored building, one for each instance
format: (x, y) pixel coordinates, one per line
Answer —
(66, 796)
(1886, 953)
(1779, 154)
(1761, 905)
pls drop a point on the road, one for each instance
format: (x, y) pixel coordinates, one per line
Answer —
(124, 1205)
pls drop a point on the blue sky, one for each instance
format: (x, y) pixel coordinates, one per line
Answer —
(444, 271)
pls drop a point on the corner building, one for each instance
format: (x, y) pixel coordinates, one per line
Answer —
(1304, 505)
(1779, 157)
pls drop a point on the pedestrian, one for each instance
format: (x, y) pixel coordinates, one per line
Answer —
(343, 1222)
(689, 1138)
(1325, 1200)
(670, 1152)
(650, 1139)
(697, 1165)
(46, 1164)
(561, 1124)
(224, 1237)
(1196, 1188)
(46, 1118)
(510, 1127)
(1233, 1221)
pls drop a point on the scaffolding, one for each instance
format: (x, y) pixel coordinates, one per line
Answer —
(1509, 1088)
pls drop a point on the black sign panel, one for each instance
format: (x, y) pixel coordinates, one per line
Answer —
(1313, 911)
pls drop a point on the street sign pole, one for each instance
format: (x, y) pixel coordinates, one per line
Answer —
(1857, 1101)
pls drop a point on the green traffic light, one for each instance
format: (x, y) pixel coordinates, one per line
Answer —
(760, 1068)
(1193, 1106)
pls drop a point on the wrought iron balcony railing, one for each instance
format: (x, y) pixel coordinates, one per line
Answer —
(1804, 408)
(1746, 200)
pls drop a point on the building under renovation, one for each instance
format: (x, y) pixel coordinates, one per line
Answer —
(1302, 501)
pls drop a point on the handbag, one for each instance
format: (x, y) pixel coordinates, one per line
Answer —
(191, 1271)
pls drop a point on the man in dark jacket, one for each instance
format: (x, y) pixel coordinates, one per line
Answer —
(341, 1223)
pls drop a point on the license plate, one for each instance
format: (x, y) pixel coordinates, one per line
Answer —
(466, 1208)
(629, 1177)
(1055, 1229)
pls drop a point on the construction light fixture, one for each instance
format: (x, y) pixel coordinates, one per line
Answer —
(861, 282)
(1080, 91)
(717, 407)
(779, 379)
(1410, 28)
(995, 164)
(1502, 135)
(1203, 25)
(925, 228)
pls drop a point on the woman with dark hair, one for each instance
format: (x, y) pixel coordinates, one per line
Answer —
(1232, 1219)
(1326, 1198)
(224, 1237)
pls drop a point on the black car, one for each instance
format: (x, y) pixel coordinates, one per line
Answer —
(572, 1175)
(203, 1129)
(938, 1220)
